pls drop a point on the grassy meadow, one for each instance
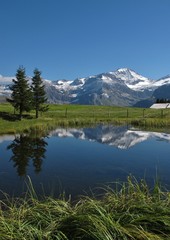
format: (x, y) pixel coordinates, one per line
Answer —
(80, 115)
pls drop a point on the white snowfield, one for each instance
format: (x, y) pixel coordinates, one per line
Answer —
(133, 80)
(160, 105)
(138, 82)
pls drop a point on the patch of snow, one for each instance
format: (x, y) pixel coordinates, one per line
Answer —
(105, 95)
(47, 81)
(64, 85)
(162, 82)
(6, 80)
(60, 82)
(73, 95)
(82, 80)
(106, 79)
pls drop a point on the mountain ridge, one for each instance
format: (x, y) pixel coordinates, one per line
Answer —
(123, 87)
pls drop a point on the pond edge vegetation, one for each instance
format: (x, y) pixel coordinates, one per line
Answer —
(128, 211)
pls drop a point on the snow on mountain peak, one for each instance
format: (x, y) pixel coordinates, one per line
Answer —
(129, 74)
(107, 79)
(123, 69)
(6, 80)
(105, 88)
(132, 79)
(162, 81)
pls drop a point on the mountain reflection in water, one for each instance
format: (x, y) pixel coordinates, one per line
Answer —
(76, 160)
(26, 148)
(118, 136)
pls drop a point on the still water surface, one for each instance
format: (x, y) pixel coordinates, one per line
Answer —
(76, 160)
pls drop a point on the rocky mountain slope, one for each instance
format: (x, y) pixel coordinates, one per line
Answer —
(123, 87)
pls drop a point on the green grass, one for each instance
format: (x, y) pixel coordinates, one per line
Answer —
(132, 211)
(80, 115)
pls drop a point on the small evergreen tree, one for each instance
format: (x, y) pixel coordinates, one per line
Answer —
(21, 97)
(39, 94)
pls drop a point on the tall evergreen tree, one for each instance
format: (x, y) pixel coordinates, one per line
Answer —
(39, 94)
(21, 97)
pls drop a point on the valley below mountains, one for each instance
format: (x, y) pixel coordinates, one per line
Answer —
(123, 87)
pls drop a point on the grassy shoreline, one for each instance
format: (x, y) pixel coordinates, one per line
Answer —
(79, 115)
(130, 212)
(127, 212)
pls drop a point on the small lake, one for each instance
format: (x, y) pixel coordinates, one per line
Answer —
(77, 160)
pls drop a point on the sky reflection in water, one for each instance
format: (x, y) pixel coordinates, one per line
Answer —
(75, 160)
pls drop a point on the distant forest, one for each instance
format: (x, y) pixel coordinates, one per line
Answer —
(162, 100)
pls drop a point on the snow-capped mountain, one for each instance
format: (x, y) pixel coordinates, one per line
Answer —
(123, 87)
(162, 81)
(120, 137)
(5, 91)
(129, 77)
(5, 80)
(133, 80)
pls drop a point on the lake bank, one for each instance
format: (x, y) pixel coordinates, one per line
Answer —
(79, 115)
(75, 160)
(132, 211)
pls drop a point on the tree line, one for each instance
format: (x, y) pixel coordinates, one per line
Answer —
(26, 96)
(162, 100)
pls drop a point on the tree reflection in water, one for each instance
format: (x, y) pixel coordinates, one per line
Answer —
(26, 148)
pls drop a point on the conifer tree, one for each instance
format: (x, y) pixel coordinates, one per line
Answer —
(39, 94)
(21, 97)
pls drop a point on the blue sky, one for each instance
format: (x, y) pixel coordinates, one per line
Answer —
(67, 39)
